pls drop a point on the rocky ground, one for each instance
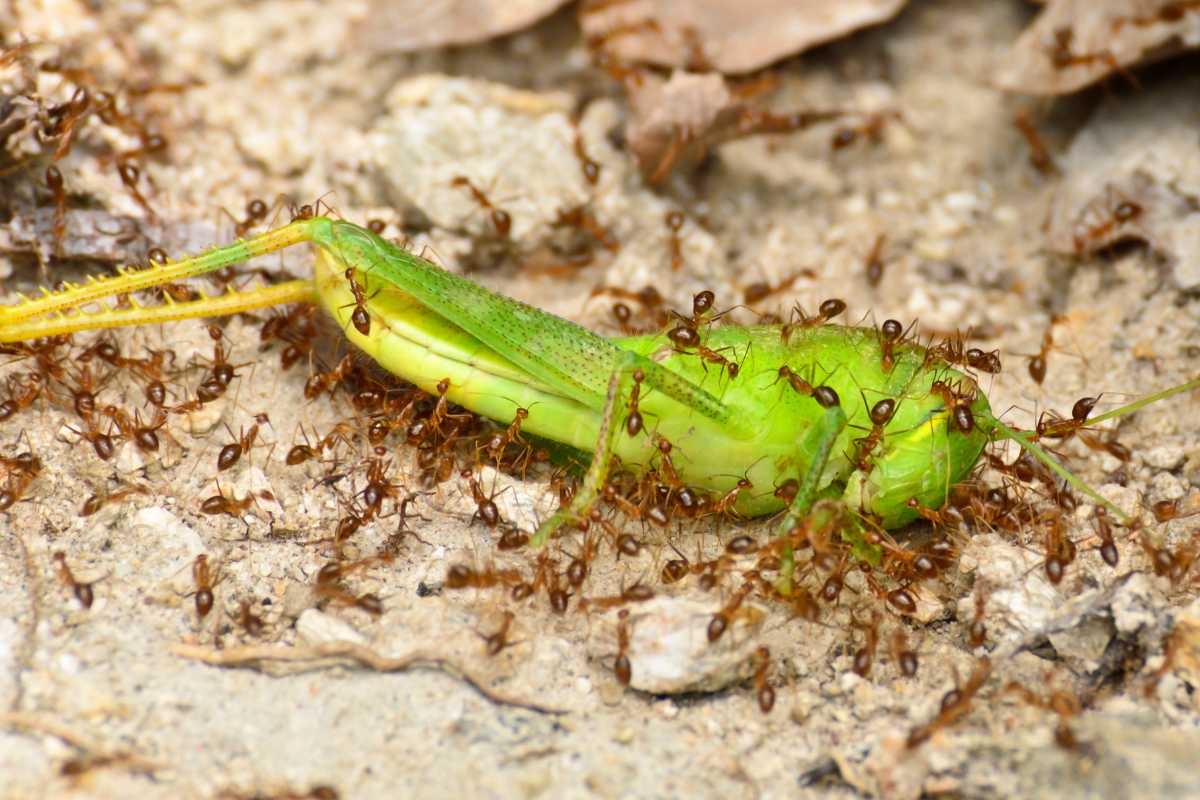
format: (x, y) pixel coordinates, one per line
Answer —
(278, 690)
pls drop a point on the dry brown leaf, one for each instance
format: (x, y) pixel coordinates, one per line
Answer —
(716, 34)
(396, 27)
(1075, 43)
(675, 122)
(1121, 184)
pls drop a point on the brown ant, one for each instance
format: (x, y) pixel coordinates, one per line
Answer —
(874, 261)
(23, 390)
(890, 332)
(1062, 704)
(638, 593)
(958, 401)
(250, 622)
(322, 382)
(977, 631)
(231, 453)
(101, 443)
(825, 312)
(485, 507)
(1051, 426)
(144, 435)
(129, 176)
(905, 658)
(687, 334)
(1108, 547)
(580, 566)
(1037, 364)
(441, 410)
(22, 469)
(1173, 565)
(666, 466)
(64, 120)
(955, 705)
(1059, 549)
(510, 435)
(677, 569)
(687, 338)
(378, 488)
(864, 657)
(329, 584)
(495, 642)
(799, 385)
(1063, 57)
(256, 212)
(220, 504)
(360, 318)
(633, 422)
(720, 621)
(1113, 218)
(83, 392)
(870, 130)
(757, 292)
(952, 350)
(54, 180)
(460, 576)
(674, 221)
(1039, 156)
(1168, 13)
(221, 373)
(25, 463)
(501, 220)
(591, 168)
(97, 501)
(763, 690)
(579, 218)
(725, 503)
(205, 578)
(881, 414)
(948, 517)
(1167, 510)
(621, 666)
(82, 591)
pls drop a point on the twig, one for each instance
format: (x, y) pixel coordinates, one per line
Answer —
(276, 660)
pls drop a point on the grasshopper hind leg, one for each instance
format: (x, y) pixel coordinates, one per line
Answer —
(77, 307)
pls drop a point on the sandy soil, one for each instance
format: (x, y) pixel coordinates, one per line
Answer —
(276, 99)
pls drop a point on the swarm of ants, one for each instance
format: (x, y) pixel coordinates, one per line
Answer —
(394, 443)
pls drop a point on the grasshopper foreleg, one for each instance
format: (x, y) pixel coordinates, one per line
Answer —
(816, 444)
(629, 374)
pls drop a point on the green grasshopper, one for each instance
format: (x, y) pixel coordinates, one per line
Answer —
(856, 418)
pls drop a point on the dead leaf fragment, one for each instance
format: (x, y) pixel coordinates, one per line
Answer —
(1121, 184)
(1075, 43)
(676, 121)
(729, 37)
(399, 27)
